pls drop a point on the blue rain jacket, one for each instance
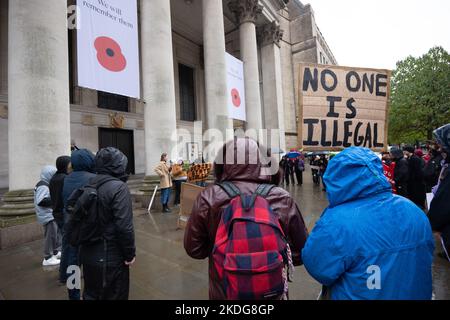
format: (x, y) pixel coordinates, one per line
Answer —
(369, 243)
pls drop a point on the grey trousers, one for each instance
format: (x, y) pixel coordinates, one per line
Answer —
(52, 239)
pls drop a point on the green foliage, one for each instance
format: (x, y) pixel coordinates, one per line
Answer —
(420, 97)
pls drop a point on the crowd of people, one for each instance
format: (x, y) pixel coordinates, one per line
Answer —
(292, 166)
(371, 242)
(172, 176)
(413, 174)
(106, 254)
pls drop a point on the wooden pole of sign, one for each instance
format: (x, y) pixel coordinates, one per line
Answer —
(300, 109)
(151, 201)
(150, 207)
(388, 105)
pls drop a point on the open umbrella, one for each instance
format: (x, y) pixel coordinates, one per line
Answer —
(294, 154)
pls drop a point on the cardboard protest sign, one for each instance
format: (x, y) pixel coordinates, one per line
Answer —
(340, 107)
(189, 193)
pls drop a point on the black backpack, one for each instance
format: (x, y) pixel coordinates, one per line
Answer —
(85, 225)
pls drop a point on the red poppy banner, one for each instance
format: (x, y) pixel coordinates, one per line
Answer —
(108, 46)
(236, 88)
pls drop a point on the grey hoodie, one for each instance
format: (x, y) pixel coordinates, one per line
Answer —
(42, 201)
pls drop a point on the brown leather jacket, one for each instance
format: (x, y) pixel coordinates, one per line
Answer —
(206, 212)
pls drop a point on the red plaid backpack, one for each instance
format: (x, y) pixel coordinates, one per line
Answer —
(251, 254)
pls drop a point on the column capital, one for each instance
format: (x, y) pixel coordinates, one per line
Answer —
(270, 33)
(245, 10)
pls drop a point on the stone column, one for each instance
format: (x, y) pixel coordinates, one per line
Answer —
(246, 12)
(38, 88)
(269, 38)
(215, 67)
(3, 49)
(38, 96)
(158, 84)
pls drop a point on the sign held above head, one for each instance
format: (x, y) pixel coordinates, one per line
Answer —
(340, 107)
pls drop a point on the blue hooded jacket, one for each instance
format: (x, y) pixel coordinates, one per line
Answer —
(369, 243)
(83, 166)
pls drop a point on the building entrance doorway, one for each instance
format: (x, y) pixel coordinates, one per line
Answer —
(120, 139)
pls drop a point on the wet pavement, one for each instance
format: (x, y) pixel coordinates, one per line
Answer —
(162, 269)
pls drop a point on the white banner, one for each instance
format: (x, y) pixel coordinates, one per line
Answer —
(108, 46)
(236, 88)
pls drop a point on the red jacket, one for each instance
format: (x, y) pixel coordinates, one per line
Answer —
(388, 170)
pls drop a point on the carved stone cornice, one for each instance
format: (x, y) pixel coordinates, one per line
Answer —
(270, 34)
(245, 10)
(280, 4)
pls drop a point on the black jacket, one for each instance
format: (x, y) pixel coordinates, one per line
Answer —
(401, 175)
(56, 187)
(416, 183)
(432, 170)
(115, 209)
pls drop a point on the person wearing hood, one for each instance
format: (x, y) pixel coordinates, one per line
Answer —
(369, 243)
(401, 172)
(416, 183)
(106, 262)
(206, 214)
(439, 213)
(56, 186)
(83, 167)
(44, 213)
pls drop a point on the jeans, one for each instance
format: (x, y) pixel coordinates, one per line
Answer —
(69, 257)
(165, 196)
(52, 239)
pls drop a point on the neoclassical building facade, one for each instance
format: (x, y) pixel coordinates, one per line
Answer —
(183, 80)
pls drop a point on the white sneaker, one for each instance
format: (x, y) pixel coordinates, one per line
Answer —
(58, 256)
(50, 262)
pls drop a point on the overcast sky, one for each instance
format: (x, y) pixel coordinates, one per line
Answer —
(378, 33)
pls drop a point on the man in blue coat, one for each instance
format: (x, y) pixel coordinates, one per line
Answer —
(369, 243)
(83, 166)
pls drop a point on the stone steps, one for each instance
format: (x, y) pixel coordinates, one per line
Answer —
(17, 203)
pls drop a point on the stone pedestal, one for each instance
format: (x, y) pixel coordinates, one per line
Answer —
(18, 223)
